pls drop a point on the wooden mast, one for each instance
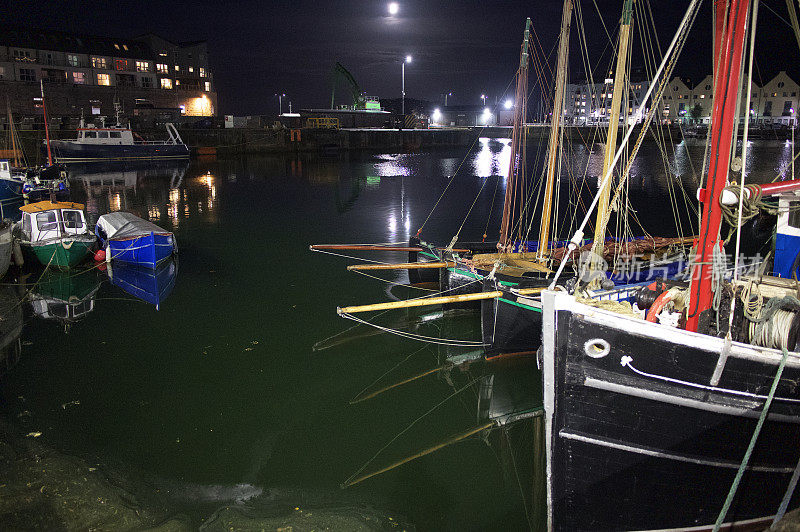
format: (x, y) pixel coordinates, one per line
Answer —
(555, 125)
(613, 127)
(46, 126)
(520, 106)
(730, 35)
(12, 135)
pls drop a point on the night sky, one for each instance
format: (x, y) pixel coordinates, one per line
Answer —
(259, 48)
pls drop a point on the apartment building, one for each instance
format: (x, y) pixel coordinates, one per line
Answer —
(85, 75)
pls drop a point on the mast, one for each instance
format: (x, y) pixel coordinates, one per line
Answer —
(555, 124)
(46, 125)
(730, 35)
(12, 134)
(520, 103)
(613, 127)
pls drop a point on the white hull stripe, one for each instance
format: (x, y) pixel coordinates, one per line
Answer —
(626, 362)
(634, 391)
(602, 442)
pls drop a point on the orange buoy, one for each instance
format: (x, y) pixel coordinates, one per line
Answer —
(100, 255)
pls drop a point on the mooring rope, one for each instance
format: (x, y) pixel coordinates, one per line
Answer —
(753, 439)
(418, 337)
(348, 256)
(373, 383)
(434, 407)
(393, 283)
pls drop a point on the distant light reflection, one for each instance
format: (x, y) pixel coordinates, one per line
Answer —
(493, 157)
(392, 168)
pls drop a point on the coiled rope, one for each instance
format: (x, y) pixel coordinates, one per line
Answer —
(771, 328)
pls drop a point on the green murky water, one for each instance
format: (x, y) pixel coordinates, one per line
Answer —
(229, 404)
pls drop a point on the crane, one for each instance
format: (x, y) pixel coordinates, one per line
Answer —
(339, 71)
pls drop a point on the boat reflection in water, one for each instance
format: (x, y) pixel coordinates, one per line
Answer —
(10, 329)
(150, 285)
(106, 186)
(65, 296)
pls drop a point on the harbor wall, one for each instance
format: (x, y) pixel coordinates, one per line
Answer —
(238, 141)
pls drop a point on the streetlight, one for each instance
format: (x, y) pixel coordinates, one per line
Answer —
(437, 115)
(483, 97)
(280, 102)
(446, 94)
(508, 104)
(393, 8)
(407, 60)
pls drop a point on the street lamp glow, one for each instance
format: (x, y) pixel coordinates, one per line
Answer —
(393, 8)
(437, 114)
(507, 104)
(403, 94)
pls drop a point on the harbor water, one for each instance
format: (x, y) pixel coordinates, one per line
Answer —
(231, 397)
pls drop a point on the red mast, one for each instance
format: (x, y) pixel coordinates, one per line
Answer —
(46, 125)
(730, 35)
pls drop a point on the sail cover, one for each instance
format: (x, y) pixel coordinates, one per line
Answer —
(124, 225)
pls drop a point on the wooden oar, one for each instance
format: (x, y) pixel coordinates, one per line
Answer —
(434, 301)
(401, 266)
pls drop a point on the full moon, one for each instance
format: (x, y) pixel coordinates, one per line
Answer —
(393, 8)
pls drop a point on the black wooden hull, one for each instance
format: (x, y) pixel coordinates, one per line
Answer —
(421, 276)
(643, 437)
(511, 325)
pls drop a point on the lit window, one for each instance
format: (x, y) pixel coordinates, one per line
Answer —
(99, 62)
(191, 69)
(125, 47)
(142, 66)
(208, 86)
(162, 53)
(103, 79)
(121, 64)
(202, 72)
(22, 55)
(162, 68)
(177, 82)
(116, 46)
(2, 72)
(73, 60)
(166, 83)
(79, 78)
(177, 68)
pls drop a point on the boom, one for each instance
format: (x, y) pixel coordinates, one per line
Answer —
(339, 71)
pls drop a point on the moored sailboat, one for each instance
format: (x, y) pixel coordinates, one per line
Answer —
(683, 415)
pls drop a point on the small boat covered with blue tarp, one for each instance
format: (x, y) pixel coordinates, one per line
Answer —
(148, 284)
(128, 238)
